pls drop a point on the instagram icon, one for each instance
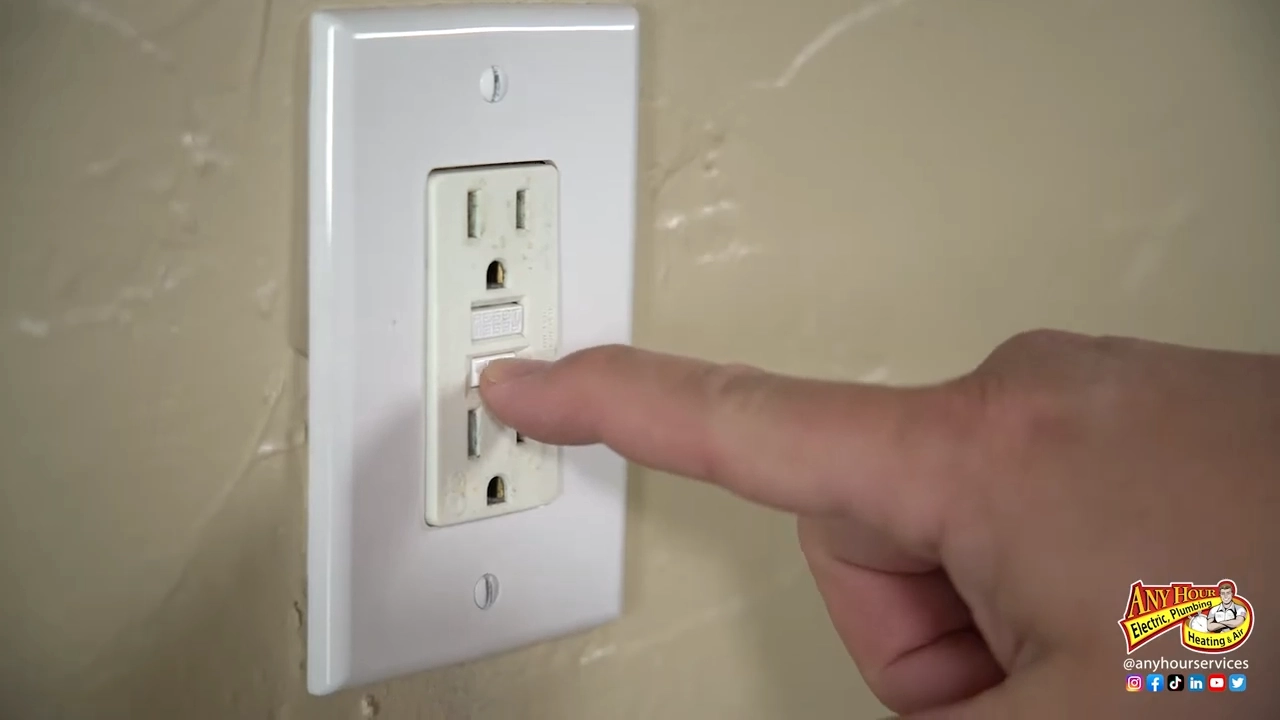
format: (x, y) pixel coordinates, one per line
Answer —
(1133, 683)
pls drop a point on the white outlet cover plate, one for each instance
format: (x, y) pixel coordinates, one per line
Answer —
(395, 94)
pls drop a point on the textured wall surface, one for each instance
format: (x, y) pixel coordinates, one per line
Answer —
(848, 188)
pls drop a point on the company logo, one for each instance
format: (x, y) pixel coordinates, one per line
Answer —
(1213, 618)
(1155, 683)
(1195, 683)
(1236, 683)
(1176, 683)
(1133, 683)
(1217, 683)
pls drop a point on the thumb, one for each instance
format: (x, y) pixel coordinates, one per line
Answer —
(883, 455)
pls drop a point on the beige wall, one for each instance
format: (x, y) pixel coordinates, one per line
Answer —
(846, 188)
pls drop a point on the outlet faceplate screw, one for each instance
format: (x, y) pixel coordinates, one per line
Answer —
(493, 84)
(486, 592)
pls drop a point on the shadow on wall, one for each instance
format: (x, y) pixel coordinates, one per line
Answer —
(228, 639)
(216, 644)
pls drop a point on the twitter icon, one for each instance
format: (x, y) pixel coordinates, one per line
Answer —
(1236, 683)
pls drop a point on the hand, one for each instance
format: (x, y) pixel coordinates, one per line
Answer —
(998, 518)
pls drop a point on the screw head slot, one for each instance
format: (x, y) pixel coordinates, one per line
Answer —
(493, 84)
(486, 591)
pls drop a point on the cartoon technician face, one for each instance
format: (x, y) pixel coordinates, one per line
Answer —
(1228, 613)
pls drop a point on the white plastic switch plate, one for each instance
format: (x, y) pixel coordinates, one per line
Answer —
(400, 99)
(493, 261)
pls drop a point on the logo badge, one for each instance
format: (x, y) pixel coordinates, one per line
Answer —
(1155, 683)
(1236, 683)
(1217, 683)
(1176, 683)
(1195, 683)
(1212, 619)
(1133, 683)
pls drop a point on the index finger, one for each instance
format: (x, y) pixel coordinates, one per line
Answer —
(811, 447)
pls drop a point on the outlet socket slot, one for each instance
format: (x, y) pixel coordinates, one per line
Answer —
(495, 276)
(496, 491)
(522, 209)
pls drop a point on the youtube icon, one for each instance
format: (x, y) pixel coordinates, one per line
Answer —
(1217, 683)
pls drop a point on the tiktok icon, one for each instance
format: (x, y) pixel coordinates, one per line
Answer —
(1175, 683)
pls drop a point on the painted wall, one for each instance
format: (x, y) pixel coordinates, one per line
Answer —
(848, 188)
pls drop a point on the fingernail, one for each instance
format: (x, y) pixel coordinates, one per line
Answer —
(500, 371)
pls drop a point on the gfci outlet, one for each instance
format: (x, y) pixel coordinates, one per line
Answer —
(471, 197)
(493, 268)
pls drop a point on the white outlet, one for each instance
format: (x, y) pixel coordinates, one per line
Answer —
(493, 268)
(409, 565)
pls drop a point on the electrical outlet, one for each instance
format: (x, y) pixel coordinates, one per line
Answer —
(493, 265)
(443, 138)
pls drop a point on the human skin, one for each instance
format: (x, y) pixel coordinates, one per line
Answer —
(1002, 515)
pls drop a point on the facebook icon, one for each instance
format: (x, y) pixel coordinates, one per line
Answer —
(1195, 683)
(1155, 683)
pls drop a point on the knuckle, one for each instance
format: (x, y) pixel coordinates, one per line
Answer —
(732, 382)
(1038, 385)
(1018, 420)
(735, 388)
(729, 391)
(1035, 343)
(1045, 337)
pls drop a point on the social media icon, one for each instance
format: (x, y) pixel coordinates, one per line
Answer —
(1217, 683)
(1155, 683)
(1236, 683)
(1195, 683)
(1176, 683)
(1133, 683)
